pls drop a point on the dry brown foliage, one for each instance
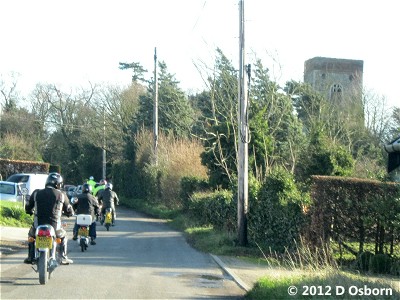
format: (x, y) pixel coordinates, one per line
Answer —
(177, 158)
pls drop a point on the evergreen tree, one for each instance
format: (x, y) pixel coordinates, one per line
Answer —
(175, 113)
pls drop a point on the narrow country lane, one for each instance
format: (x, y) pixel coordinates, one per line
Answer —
(140, 258)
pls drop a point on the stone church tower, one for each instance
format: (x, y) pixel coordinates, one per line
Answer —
(337, 79)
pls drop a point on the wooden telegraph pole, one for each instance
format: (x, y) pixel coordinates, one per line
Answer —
(243, 136)
(104, 145)
(155, 109)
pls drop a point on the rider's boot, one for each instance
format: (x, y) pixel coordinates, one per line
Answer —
(75, 232)
(63, 251)
(31, 254)
(66, 261)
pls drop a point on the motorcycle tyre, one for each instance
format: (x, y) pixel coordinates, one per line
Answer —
(42, 267)
(83, 245)
(107, 226)
(59, 252)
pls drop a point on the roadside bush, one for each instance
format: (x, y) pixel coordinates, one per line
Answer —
(126, 181)
(275, 216)
(362, 261)
(177, 158)
(190, 185)
(380, 263)
(214, 208)
(395, 268)
(377, 263)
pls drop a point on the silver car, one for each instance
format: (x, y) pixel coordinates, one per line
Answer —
(77, 190)
(11, 191)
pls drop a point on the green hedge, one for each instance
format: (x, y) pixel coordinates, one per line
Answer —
(275, 216)
(189, 186)
(9, 167)
(355, 210)
(214, 208)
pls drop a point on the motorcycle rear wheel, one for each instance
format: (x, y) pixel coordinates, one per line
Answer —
(42, 267)
(83, 245)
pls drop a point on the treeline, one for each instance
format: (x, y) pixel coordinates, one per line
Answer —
(295, 133)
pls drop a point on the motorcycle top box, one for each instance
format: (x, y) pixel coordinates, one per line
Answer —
(83, 223)
(84, 220)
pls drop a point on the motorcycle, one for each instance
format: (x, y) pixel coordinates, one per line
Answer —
(47, 252)
(83, 222)
(108, 218)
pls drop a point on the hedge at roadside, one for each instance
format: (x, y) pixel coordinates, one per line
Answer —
(275, 216)
(279, 214)
(9, 167)
(357, 210)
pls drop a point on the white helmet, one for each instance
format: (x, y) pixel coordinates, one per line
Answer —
(109, 186)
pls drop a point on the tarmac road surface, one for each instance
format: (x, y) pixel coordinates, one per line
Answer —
(139, 258)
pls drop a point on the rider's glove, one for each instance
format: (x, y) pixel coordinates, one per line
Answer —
(70, 211)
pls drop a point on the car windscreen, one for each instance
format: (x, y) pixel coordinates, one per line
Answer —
(18, 178)
(7, 189)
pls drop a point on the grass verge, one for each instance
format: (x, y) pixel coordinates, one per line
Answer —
(332, 284)
(13, 214)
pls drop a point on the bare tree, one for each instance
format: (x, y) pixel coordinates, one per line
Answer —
(378, 116)
(69, 119)
(9, 93)
(117, 109)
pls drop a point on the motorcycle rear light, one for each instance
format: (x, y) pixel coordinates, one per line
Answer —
(58, 240)
(44, 232)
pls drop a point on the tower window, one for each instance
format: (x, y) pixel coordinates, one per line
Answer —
(336, 92)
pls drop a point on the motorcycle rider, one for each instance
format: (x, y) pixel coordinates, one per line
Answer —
(108, 198)
(87, 204)
(48, 204)
(91, 182)
(100, 187)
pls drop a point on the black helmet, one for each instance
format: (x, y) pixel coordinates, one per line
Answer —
(54, 180)
(86, 188)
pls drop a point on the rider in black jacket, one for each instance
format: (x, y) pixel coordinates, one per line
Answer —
(86, 204)
(108, 198)
(48, 205)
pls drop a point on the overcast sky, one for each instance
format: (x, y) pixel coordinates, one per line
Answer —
(72, 42)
